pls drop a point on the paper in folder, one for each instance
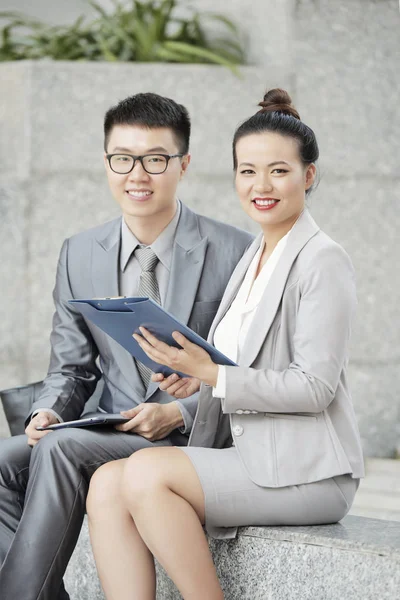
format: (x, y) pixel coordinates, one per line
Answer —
(121, 317)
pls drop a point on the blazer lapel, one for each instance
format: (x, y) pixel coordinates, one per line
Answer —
(234, 284)
(105, 269)
(105, 261)
(303, 230)
(187, 263)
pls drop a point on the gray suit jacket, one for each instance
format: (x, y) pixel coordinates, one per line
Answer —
(289, 406)
(204, 256)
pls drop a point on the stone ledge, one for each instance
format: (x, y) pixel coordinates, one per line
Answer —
(358, 558)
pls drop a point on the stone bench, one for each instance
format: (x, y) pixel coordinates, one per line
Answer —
(356, 559)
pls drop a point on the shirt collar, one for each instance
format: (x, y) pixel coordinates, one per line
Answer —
(162, 246)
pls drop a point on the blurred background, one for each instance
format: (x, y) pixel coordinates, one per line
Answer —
(340, 62)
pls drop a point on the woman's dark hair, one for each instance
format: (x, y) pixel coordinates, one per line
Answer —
(150, 110)
(278, 115)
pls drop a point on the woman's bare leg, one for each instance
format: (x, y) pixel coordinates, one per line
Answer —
(163, 494)
(124, 564)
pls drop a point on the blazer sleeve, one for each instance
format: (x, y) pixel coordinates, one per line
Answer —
(73, 374)
(323, 322)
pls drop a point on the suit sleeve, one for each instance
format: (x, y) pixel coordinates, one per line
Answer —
(323, 323)
(73, 374)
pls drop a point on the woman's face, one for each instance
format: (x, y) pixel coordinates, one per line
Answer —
(271, 179)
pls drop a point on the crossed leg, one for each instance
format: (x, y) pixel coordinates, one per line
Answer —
(151, 504)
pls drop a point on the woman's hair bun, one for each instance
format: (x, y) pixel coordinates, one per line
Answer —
(278, 100)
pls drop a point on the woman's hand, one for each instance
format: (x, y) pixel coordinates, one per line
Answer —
(178, 387)
(190, 359)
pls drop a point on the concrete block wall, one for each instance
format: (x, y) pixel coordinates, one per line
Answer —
(340, 63)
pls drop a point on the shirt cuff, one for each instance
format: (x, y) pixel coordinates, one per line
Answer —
(219, 391)
(186, 416)
(49, 410)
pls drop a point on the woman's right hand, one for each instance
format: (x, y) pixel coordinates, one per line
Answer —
(178, 387)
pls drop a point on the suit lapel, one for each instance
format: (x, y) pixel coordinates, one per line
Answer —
(105, 261)
(187, 263)
(303, 230)
(234, 284)
(105, 269)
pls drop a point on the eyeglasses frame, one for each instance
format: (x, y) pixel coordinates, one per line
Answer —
(140, 158)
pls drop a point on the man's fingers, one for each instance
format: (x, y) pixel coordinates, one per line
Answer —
(35, 436)
(158, 377)
(191, 387)
(125, 426)
(132, 412)
(43, 420)
(172, 389)
(187, 390)
(132, 423)
(170, 380)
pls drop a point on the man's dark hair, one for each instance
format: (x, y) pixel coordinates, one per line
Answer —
(150, 111)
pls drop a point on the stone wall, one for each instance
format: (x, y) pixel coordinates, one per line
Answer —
(339, 60)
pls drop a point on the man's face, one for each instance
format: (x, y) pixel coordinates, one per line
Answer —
(139, 193)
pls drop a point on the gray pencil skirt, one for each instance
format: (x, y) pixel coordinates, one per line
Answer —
(232, 499)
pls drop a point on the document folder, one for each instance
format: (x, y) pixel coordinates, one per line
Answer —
(121, 317)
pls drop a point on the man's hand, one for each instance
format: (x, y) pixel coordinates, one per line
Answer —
(43, 419)
(151, 420)
(178, 387)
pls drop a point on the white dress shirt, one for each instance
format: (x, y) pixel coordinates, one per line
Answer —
(231, 332)
(129, 267)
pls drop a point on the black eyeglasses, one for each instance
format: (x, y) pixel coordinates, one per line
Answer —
(154, 164)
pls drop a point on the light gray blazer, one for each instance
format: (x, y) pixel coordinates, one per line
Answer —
(204, 255)
(289, 406)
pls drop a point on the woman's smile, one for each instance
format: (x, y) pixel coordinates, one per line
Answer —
(265, 203)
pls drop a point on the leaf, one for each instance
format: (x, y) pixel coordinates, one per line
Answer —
(203, 54)
(143, 30)
(222, 19)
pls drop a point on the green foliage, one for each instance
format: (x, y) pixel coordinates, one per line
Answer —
(145, 31)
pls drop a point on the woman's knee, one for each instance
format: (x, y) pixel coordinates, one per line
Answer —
(143, 474)
(105, 488)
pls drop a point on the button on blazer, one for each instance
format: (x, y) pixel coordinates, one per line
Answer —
(288, 406)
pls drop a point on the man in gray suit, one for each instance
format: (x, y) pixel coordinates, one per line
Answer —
(159, 248)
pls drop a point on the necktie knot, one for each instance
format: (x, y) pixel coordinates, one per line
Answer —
(147, 258)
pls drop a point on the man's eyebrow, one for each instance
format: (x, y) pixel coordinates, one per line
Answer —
(149, 151)
(158, 149)
(277, 162)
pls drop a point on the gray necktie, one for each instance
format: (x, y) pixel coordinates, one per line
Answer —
(148, 286)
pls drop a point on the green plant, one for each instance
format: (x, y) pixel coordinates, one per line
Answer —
(143, 31)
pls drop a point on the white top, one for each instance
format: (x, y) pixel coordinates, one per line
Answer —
(230, 334)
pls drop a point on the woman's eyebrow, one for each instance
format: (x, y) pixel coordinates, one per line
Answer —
(276, 162)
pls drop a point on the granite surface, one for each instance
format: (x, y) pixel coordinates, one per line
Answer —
(358, 558)
(371, 536)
